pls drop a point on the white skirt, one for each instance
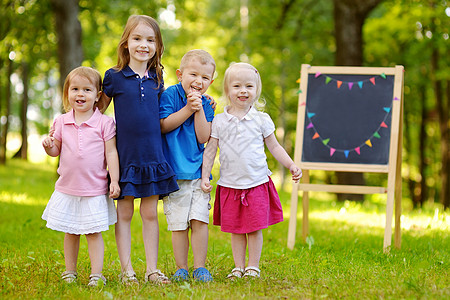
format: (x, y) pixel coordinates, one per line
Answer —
(79, 215)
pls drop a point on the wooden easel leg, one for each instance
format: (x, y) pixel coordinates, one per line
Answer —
(388, 226)
(305, 202)
(293, 217)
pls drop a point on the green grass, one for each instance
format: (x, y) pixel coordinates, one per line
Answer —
(344, 257)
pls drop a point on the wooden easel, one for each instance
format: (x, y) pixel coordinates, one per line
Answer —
(393, 168)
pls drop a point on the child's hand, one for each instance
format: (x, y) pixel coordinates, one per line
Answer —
(296, 173)
(114, 190)
(194, 101)
(211, 101)
(206, 186)
(48, 142)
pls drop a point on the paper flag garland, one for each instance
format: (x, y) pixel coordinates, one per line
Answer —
(350, 84)
(333, 150)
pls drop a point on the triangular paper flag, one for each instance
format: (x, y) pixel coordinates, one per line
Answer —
(396, 98)
(298, 80)
(383, 75)
(317, 74)
(332, 150)
(360, 83)
(357, 150)
(325, 142)
(383, 125)
(377, 135)
(346, 153)
(372, 80)
(310, 115)
(350, 85)
(368, 143)
(327, 80)
(299, 91)
(315, 136)
(303, 104)
(310, 125)
(339, 83)
(387, 109)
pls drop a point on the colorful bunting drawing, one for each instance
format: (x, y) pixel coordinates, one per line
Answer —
(350, 84)
(327, 141)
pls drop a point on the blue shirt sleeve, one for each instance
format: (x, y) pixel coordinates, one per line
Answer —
(207, 108)
(108, 87)
(166, 103)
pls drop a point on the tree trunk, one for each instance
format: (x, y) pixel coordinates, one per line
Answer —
(5, 130)
(349, 17)
(423, 195)
(68, 29)
(23, 150)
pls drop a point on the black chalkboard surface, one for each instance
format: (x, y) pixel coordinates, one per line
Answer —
(348, 118)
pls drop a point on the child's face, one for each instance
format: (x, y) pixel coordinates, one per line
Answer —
(141, 44)
(82, 94)
(196, 77)
(242, 90)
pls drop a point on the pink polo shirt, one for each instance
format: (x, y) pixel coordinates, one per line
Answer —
(82, 168)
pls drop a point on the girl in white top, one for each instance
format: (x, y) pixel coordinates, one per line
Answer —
(246, 198)
(85, 140)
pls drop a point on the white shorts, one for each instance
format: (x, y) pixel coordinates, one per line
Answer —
(186, 204)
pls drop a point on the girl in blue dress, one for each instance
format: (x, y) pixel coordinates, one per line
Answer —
(135, 85)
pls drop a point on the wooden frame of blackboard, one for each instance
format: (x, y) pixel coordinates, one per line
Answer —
(392, 168)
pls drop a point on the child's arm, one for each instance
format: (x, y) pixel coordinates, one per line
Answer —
(103, 103)
(112, 160)
(281, 155)
(194, 103)
(51, 145)
(202, 126)
(208, 161)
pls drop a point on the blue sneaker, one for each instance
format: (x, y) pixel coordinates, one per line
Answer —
(181, 275)
(202, 274)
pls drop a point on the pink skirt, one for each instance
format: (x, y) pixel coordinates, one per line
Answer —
(248, 210)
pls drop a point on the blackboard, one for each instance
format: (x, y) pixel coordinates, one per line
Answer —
(348, 118)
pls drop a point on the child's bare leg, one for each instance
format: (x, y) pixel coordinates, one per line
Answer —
(199, 241)
(180, 244)
(239, 246)
(125, 210)
(96, 250)
(255, 242)
(71, 247)
(150, 230)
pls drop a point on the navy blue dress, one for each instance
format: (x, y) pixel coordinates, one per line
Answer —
(144, 170)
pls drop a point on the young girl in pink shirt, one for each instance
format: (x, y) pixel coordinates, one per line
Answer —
(85, 140)
(246, 198)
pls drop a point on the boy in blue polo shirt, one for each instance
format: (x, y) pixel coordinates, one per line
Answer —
(186, 117)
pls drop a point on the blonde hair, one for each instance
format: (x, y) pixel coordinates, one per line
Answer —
(203, 56)
(90, 74)
(123, 54)
(233, 70)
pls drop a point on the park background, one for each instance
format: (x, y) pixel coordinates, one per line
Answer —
(41, 41)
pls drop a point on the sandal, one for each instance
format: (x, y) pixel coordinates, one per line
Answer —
(202, 275)
(94, 279)
(181, 275)
(129, 278)
(69, 276)
(158, 277)
(253, 272)
(236, 273)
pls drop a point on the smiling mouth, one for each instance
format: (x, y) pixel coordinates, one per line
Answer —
(195, 89)
(80, 101)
